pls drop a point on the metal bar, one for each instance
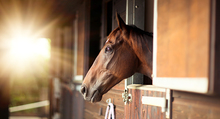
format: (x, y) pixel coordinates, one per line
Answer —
(168, 110)
(154, 101)
(29, 106)
(155, 41)
(146, 87)
(193, 84)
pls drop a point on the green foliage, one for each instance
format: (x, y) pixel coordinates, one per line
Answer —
(27, 86)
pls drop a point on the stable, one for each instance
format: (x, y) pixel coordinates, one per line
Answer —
(184, 81)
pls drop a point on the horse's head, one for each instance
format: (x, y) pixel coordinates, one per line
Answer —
(115, 62)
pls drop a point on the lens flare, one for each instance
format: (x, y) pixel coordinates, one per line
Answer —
(26, 48)
(27, 53)
(42, 47)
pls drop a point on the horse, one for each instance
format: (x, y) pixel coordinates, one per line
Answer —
(127, 50)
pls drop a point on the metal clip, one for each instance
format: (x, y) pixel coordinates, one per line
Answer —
(126, 97)
(108, 100)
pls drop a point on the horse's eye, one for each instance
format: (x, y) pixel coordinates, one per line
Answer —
(108, 50)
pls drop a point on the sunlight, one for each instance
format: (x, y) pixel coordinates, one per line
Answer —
(27, 48)
(27, 53)
(21, 49)
(42, 47)
(25, 28)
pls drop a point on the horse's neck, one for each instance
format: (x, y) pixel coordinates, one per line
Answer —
(144, 52)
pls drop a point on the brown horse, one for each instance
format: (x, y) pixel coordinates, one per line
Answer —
(126, 51)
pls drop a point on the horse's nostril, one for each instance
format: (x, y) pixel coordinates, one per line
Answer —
(83, 89)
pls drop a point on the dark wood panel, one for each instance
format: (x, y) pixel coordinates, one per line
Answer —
(137, 110)
(120, 86)
(119, 6)
(4, 93)
(66, 104)
(81, 41)
(89, 115)
(116, 98)
(123, 16)
(183, 33)
(95, 108)
(119, 114)
(92, 107)
(99, 110)
(215, 62)
(195, 96)
(77, 105)
(194, 109)
(196, 106)
(56, 53)
(149, 8)
(67, 53)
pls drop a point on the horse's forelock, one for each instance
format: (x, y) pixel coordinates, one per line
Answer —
(114, 32)
(113, 35)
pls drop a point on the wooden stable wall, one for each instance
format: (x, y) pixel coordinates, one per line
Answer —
(185, 41)
(184, 105)
(183, 28)
(186, 44)
(187, 105)
(68, 62)
(187, 56)
(136, 110)
(97, 110)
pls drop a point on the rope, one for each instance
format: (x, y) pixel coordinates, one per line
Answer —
(110, 112)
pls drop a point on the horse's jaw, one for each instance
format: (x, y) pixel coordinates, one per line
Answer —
(146, 70)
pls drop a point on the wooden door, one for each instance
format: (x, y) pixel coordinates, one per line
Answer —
(184, 45)
(148, 102)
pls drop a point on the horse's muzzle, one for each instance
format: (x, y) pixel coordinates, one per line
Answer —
(84, 91)
(95, 95)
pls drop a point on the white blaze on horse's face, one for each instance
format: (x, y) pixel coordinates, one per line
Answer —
(107, 40)
(115, 62)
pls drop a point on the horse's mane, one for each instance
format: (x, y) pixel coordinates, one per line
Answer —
(134, 28)
(142, 43)
(140, 37)
(140, 31)
(137, 33)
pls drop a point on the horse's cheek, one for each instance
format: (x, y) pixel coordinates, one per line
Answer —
(126, 65)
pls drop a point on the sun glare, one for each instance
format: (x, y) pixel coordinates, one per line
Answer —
(21, 49)
(27, 48)
(28, 54)
(42, 47)
(23, 24)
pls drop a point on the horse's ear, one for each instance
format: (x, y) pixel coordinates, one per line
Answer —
(121, 23)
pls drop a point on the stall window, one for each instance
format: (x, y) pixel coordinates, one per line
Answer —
(140, 14)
